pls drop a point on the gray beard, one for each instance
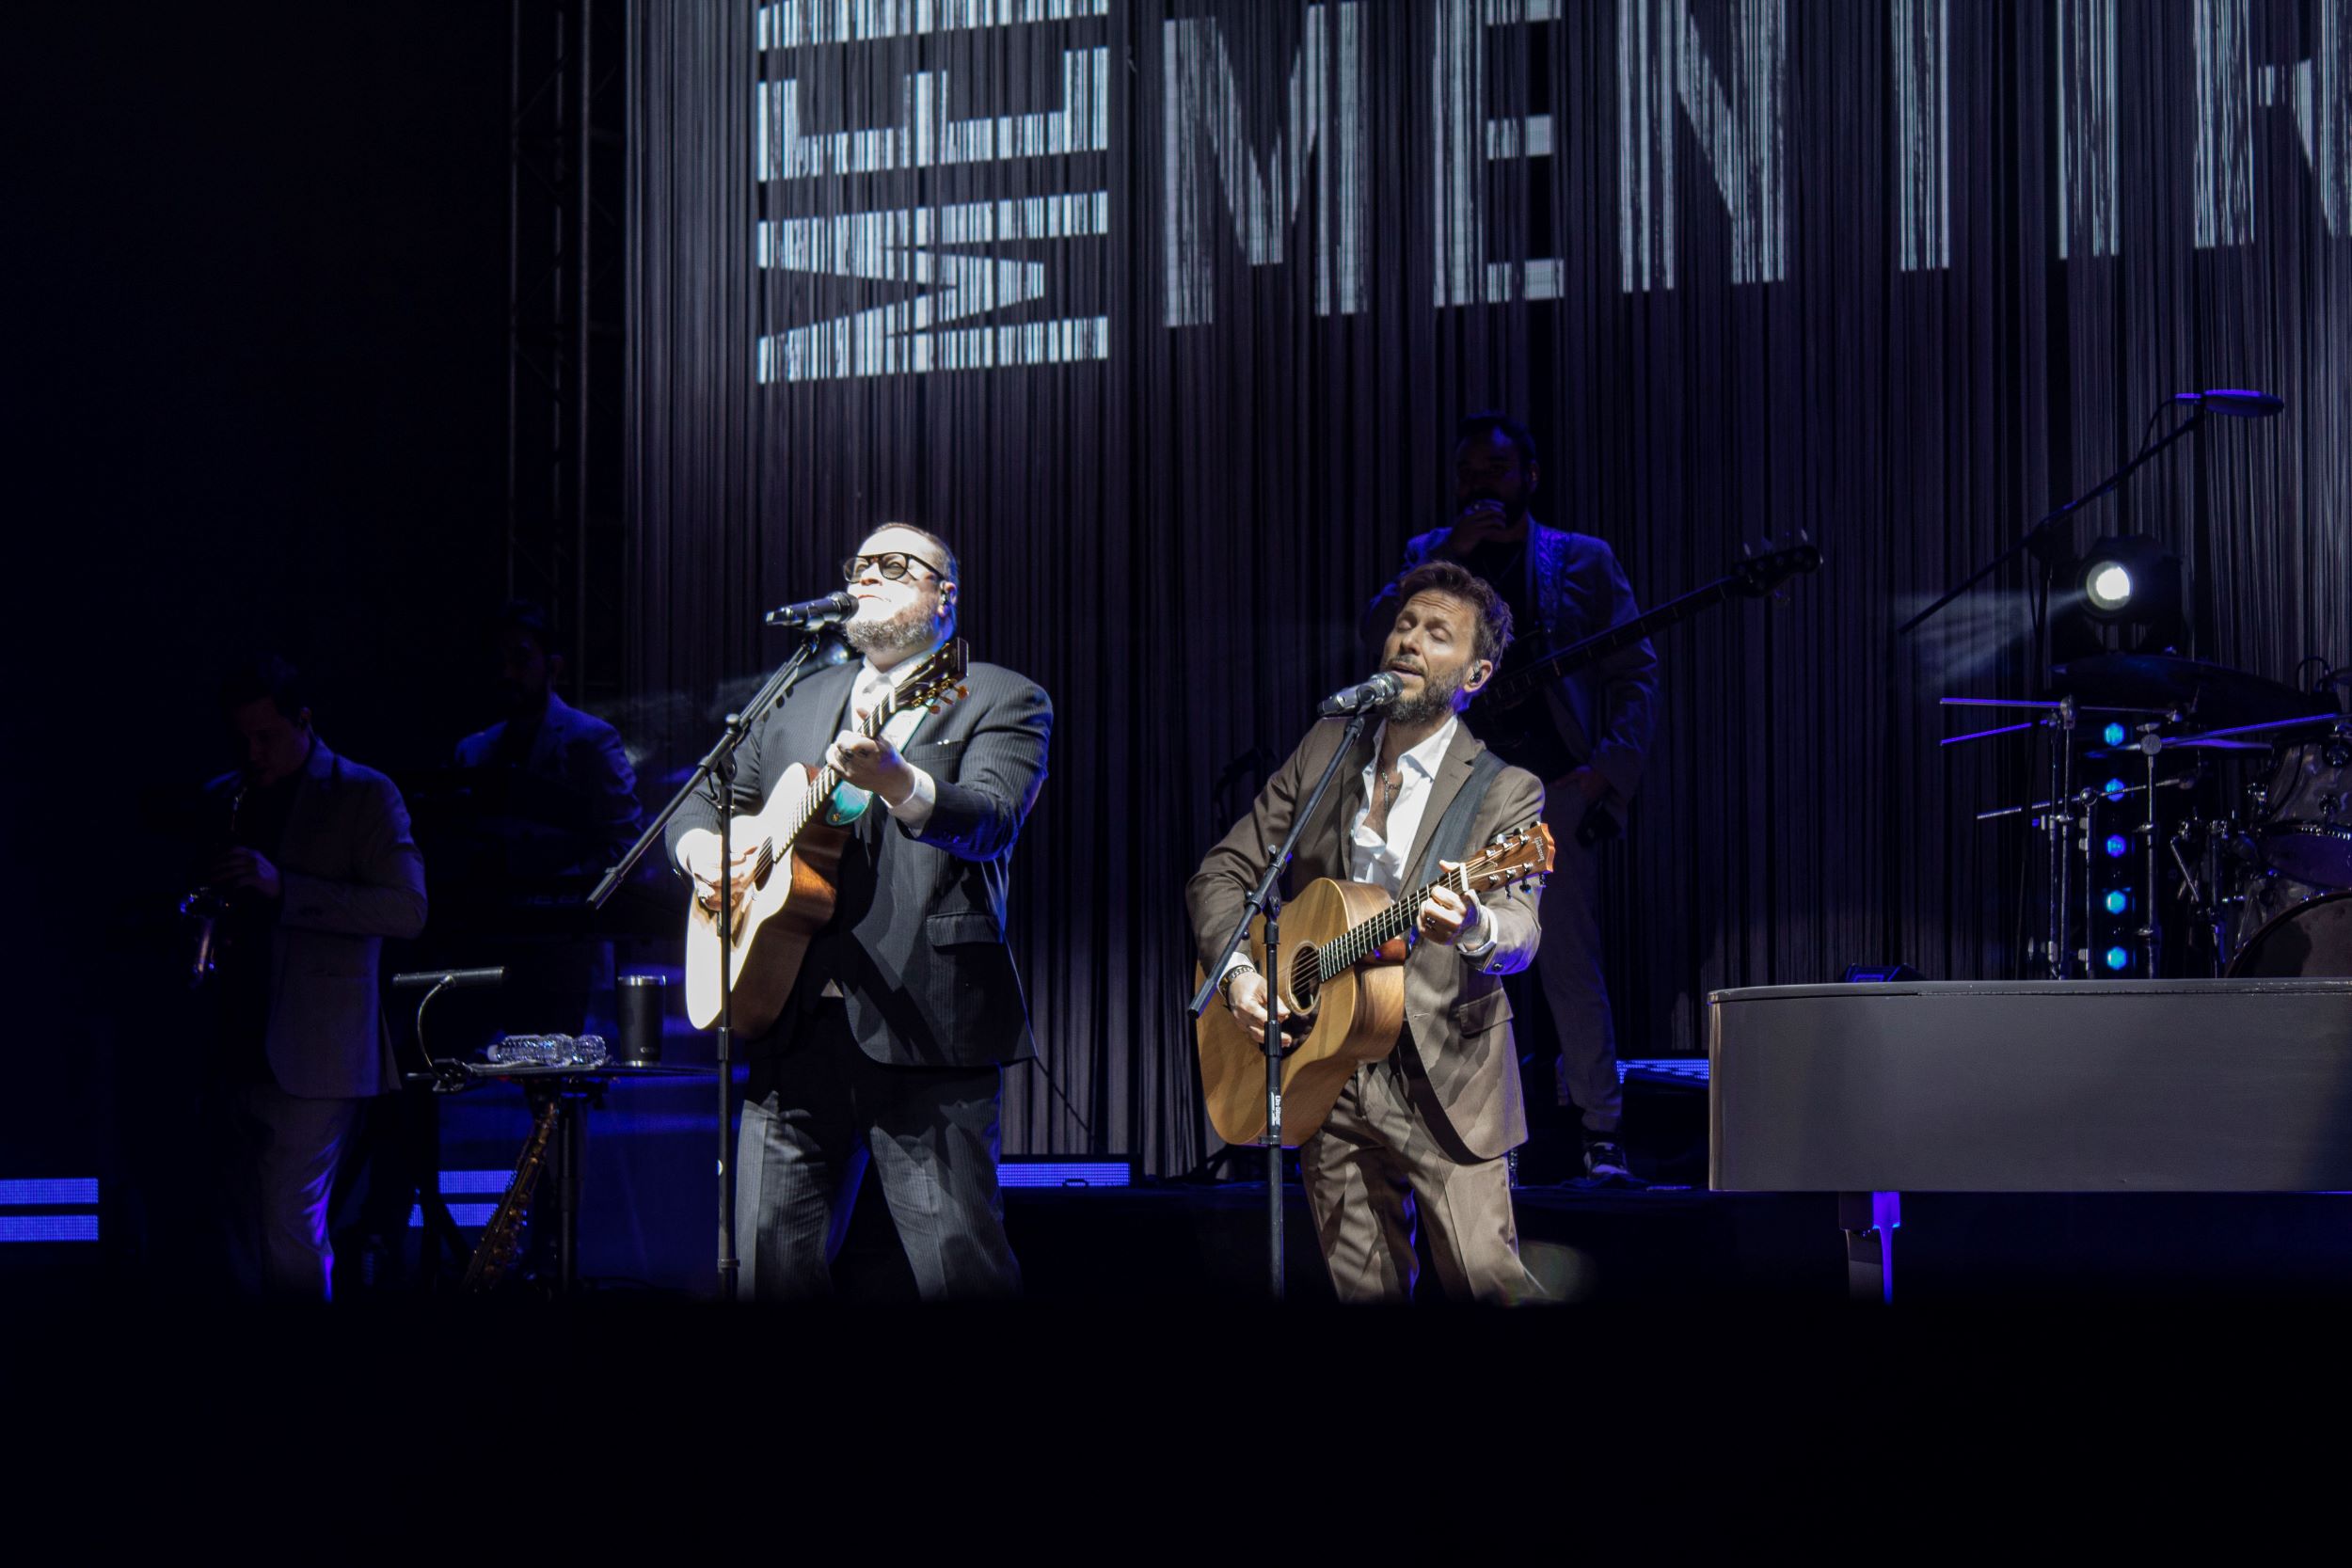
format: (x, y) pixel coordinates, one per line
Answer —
(912, 628)
(1434, 702)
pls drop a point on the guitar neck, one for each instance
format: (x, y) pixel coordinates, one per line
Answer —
(1361, 941)
(820, 788)
(1623, 635)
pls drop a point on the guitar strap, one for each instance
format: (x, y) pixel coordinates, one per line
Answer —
(1452, 839)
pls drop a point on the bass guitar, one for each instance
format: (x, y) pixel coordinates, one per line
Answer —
(797, 836)
(1509, 713)
(1341, 973)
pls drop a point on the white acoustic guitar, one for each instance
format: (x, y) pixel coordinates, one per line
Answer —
(798, 835)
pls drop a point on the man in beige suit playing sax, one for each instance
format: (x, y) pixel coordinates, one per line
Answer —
(1422, 1132)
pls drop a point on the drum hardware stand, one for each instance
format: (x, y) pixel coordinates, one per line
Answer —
(715, 772)
(1267, 898)
(2046, 541)
(2059, 828)
(2151, 745)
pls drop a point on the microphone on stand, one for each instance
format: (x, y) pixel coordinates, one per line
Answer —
(815, 613)
(2237, 402)
(1364, 694)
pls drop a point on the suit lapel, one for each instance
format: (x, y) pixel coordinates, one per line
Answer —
(544, 745)
(808, 722)
(318, 777)
(1451, 775)
(1326, 835)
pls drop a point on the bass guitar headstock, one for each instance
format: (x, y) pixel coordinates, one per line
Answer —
(1522, 854)
(1763, 569)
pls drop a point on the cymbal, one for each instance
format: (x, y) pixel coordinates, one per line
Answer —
(2032, 702)
(2214, 735)
(2213, 694)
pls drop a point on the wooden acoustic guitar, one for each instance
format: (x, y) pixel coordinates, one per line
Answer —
(1506, 715)
(798, 835)
(1342, 975)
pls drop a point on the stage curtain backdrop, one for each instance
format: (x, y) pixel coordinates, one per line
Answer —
(1163, 314)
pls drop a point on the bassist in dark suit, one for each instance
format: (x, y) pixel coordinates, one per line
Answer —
(1586, 737)
(890, 1052)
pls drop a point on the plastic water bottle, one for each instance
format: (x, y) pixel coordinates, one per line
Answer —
(549, 1051)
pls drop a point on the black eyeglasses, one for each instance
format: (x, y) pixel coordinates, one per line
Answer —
(892, 564)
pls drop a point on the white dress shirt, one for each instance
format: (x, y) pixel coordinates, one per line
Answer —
(1380, 860)
(916, 810)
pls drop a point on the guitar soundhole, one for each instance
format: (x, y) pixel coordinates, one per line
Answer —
(1306, 977)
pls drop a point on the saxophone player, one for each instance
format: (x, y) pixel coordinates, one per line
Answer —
(321, 869)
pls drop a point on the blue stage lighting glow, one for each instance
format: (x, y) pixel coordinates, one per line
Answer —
(63, 1189)
(48, 1227)
(2113, 734)
(2115, 789)
(2118, 847)
(1065, 1173)
(468, 1216)
(2119, 902)
(476, 1181)
(2118, 959)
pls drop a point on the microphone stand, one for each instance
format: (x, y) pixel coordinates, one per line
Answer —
(2044, 541)
(1267, 898)
(716, 772)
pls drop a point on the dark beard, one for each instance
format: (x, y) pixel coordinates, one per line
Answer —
(1435, 700)
(912, 628)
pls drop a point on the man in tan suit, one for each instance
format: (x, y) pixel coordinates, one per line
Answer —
(1423, 1130)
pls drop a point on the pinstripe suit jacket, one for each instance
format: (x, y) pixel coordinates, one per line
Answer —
(917, 936)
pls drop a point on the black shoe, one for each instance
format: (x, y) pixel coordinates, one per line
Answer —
(1605, 1163)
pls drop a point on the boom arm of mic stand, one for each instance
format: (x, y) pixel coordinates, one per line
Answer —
(714, 761)
(1263, 894)
(2036, 534)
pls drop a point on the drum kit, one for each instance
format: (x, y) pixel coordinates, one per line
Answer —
(2198, 819)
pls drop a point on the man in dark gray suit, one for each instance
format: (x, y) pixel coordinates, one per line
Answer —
(319, 870)
(890, 1052)
(1586, 738)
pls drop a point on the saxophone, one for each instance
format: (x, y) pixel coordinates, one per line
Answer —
(208, 905)
(501, 1239)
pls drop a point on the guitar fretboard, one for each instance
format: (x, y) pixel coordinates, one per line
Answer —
(1358, 942)
(775, 846)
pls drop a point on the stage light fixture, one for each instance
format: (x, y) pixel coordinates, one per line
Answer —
(2115, 789)
(2119, 957)
(2121, 596)
(2119, 902)
(2118, 847)
(2113, 734)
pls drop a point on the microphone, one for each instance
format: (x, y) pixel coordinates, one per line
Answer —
(457, 979)
(815, 613)
(1364, 694)
(2237, 402)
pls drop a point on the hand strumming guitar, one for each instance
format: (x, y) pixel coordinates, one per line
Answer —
(1246, 996)
(698, 852)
